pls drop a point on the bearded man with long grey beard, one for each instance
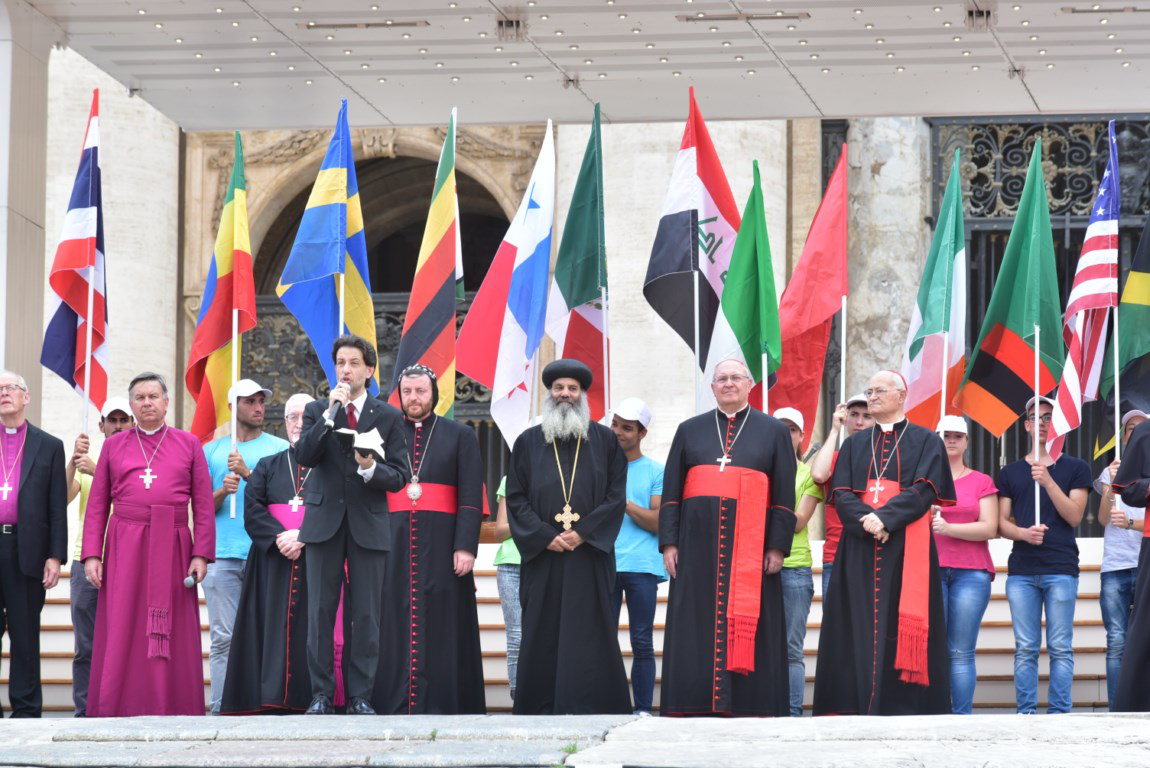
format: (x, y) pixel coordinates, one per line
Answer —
(566, 497)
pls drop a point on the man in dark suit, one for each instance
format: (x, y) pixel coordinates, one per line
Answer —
(345, 499)
(33, 537)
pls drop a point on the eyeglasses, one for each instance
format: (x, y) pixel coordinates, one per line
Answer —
(11, 388)
(1044, 418)
(733, 379)
(877, 392)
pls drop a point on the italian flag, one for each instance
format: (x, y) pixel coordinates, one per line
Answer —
(576, 305)
(747, 325)
(935, 355)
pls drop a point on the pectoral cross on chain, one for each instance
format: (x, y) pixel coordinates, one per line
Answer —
(295, 503)
(877, 487)
(147, 477)
(567, 517)
(723, 460)
(6, 489)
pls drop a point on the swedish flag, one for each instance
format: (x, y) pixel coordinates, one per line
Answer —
(330, 242)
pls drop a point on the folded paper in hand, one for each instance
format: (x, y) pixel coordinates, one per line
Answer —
(364, 442)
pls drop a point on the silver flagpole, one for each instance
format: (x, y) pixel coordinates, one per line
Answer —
(606, 353)
(698, 371)
(1117, 395)
(1037, 413)
(843, 363)
(232, 396)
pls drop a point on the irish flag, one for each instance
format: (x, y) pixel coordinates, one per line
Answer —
(747, 326)
(576, 308)
(935, 355)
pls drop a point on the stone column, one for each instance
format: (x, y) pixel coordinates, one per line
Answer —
(888, 239)
(26, 37)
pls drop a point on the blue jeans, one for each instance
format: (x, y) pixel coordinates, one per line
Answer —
(798, 591)
(507, 581)
(965, 595)
(1117, 600)
(641, 589)
(83, 598)
(827, 568)
(1028, 595)
(222, 588)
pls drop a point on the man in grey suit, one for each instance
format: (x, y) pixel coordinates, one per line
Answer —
(345, 497)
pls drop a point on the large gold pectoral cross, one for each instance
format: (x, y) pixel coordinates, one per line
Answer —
(567, 517)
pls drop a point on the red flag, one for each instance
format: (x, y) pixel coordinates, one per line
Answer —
(810, 301)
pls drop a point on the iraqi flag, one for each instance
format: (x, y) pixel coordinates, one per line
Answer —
(696, 234)
(935, 353)
(576, 310)
(77, 280)
(501, 335)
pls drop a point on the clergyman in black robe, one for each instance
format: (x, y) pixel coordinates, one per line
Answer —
(267, 669)
(566, 497)
(725, 524)
(1133, 480)
(882, 646)
(430, 659)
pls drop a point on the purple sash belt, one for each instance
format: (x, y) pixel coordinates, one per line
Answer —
(160, 519)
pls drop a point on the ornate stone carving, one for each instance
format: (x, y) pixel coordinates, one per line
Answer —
(378, 142)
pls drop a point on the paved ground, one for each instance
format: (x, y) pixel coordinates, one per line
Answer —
(986, 741)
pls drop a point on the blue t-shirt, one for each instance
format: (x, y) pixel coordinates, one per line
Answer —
(231, 539)
(1058, 553)
(637, 550)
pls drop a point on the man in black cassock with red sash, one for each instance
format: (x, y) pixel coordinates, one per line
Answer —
(882, 647)
(267, 669)
(566, 497)
(431, 662)
(726, 523)
(1133, 480)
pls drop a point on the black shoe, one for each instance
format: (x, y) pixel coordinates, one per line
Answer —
(359, 706)
(320, 705)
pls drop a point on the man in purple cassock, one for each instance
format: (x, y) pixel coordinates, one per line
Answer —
(147, 657)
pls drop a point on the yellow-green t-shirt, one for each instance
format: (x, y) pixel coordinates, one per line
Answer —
(508, 553)
(85, 489)
(805, 485)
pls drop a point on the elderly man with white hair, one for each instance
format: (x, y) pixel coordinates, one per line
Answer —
(267, 668)
(726, 523)
(882, 648)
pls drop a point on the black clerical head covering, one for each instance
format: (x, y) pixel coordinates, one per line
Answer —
(567, 368)
(422, 370)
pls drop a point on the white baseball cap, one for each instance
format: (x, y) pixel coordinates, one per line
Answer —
(1040, 399)
(952, 423)
(859, 398)
(1133, 414)
(247, 388)
(633, 409)
(792, 415)
(113, 404)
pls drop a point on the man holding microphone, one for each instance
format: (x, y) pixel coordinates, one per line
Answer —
(346, 521)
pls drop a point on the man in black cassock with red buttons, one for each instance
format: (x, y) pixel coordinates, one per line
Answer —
(431, 662)
(882, 647)
(725, 525)
(1133, 481)
(566, 497)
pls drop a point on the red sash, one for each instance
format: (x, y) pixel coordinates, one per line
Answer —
(436, 497)
(752, 490)
(914, 598)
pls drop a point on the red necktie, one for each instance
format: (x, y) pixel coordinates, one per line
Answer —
(352, 421)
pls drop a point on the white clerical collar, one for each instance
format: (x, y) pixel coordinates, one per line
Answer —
(736, 413)
(889, 427)
(150, 431)
(11, 430)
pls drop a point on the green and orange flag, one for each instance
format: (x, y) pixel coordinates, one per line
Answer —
(1000, 377)
(429, 327)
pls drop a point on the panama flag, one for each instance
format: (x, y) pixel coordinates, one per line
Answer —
(696, 233)
(938, 326)
(503, 329)
(77, 281)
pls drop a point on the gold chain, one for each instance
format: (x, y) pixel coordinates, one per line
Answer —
(567, 492)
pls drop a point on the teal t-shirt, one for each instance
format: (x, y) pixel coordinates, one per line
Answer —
(231, 539)
(637, 550)
(508, 553)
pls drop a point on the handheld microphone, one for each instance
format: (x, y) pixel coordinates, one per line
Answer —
(333, 411)
(190, 582)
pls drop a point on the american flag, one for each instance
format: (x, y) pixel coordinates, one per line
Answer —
(1094, 292)
(80, 260)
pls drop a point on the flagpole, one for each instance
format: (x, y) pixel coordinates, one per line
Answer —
(763, 363)
(339, 332)
(698, 372)
(88, 349)
(1117, 396)
(1037, 413)
(606, 353)
(532, 394)
(945, 371)
(843, 362)
(232, 394)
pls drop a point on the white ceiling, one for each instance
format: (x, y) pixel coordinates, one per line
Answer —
(830, 64)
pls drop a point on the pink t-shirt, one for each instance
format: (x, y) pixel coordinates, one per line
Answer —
(959, 553)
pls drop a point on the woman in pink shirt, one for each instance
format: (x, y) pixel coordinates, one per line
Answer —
(961, 533)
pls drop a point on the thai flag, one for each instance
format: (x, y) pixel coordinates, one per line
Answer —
(499, 338)
(77, 280)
